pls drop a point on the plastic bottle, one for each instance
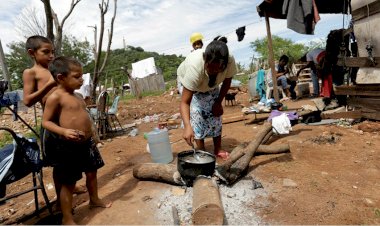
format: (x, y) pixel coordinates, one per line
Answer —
(159, 146)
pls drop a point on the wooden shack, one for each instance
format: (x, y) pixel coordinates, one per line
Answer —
(154, 82)
(364, 93)
(146, 77)
(274, 9)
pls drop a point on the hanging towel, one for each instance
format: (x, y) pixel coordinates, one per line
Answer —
(299, 15)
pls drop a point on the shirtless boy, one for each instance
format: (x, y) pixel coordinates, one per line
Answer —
(39, 84)
(65, 116)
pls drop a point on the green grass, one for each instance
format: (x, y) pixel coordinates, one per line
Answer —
(170, 84)
(6, 138)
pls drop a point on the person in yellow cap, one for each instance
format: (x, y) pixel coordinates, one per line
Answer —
(196, 40)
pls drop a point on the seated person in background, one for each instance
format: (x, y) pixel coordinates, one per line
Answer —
(282, 72)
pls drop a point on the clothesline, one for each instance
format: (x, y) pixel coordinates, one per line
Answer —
(183, 46)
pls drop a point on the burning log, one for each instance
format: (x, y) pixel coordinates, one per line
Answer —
(273, 149)
(267, 137)
(230, 173)
(166, 173)
(207, 204)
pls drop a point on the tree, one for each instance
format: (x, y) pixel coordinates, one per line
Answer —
(281, 46)
(72, 47)
(18, 59)
(98, 70)
(51, 17)
(30, 23)
(239, 67)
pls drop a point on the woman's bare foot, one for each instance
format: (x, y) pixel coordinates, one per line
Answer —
(222, 154)
(99, 203)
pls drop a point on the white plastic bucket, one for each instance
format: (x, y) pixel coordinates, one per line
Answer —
(159, 146)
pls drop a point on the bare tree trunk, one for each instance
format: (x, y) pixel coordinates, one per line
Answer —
(51, 17)
(49, 20)
(4, 67)
(98, 70)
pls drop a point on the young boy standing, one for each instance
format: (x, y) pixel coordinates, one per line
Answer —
(38, 84)
(65, 115)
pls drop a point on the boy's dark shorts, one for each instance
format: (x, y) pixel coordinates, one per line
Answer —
(71, 159)
(48, 146)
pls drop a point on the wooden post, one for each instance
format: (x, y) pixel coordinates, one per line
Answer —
(4, 67)
(271, 59)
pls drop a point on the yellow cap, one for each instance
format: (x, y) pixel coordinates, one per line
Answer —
(195, 37)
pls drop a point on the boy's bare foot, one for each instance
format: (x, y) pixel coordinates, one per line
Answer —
(68, 222)
(57, 209)
(100, 204)
(79, 190)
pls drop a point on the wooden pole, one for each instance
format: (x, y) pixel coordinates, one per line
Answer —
(271, 59)
(4, 67)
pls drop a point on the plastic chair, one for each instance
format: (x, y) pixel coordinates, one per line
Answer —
(269, 86)
(99, 114)
(112, 111)
(18, 160)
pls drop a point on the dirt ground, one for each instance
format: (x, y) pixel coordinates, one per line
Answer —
(331, 175)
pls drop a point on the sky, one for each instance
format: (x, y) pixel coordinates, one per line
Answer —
(165, 26)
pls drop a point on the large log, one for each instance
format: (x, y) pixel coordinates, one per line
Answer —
(207, 204)
(262, 149)
(166, 173)
(273, 149)
(267, 137)
(231, 174)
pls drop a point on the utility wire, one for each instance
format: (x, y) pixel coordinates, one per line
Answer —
(185, 46)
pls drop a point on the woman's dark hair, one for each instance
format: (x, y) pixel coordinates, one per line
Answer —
(220, 38)
(63, 65)
(217, 51)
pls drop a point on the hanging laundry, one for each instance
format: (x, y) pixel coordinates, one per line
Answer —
(240, 33)
(316, 13)
(299, 15)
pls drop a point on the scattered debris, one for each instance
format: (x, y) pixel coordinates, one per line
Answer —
(326, 138)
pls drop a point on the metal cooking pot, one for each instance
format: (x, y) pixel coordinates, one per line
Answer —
(189, 167)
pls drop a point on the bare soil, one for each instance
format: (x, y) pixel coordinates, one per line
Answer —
(331, 175)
